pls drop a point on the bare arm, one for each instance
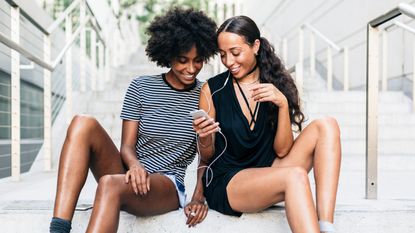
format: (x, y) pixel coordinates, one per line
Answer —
(136, 173)
(206, 129)
(284, 139)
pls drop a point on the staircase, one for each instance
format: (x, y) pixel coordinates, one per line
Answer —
(26, 206)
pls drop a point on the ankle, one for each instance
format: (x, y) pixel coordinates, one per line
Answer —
(59, 225)
(326, 227)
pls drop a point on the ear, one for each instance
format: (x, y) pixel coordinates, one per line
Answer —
(256, 46)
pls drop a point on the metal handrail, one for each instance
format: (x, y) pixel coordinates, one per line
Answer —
(48, 66)
(372, 93)
(331, 45)
(322, 36)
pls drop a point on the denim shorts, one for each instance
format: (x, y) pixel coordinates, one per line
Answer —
(181, 193)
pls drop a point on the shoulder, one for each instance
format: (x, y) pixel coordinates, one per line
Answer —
(219, 80)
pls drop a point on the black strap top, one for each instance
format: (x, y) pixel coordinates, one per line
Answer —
(245, 147)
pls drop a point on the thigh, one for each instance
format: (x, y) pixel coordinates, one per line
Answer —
(105, 157)
(301, 151)
(255, 189)
(161, 198)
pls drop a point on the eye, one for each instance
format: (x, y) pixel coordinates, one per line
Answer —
(222, 54)
(182, 60)
(236, 54)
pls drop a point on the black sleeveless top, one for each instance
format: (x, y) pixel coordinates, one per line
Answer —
(246, 148)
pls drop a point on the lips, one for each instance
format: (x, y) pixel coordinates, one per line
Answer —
(235, 70)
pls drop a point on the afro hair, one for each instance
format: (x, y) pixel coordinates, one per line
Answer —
(175, 33)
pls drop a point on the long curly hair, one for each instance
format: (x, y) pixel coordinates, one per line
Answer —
(272, 70)
(175, 33)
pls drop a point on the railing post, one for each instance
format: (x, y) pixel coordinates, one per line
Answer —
(372, 111)
(68, 61)
(15, 94)
(108, 64)
(384, 61)
(285, 50)
(299, 78)
(413, 80)
(93, 43)
(101, 76)
(47, 100)
(82, 39)
(346, 69)
(312, 55)
(301, 48)
(329, 69)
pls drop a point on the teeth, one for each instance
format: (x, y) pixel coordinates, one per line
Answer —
(235, 69)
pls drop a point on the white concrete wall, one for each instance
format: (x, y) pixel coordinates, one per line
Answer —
(343, 21)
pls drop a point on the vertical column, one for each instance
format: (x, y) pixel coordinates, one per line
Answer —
(101, 66)
(15, 94)
(346, 69)
(300, 48)
(384, 61)
(47, 112)
(299, 78)
(285, 50)
(107, 64)
(413, 80)
(68, 68)
(329, 69)
(372, 95)
(312, 55)
(82, 40)
(93, 59)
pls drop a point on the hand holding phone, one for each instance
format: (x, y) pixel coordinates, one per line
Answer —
(198, 113)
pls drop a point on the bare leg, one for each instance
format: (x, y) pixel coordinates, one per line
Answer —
(113, 195)
(255, 189)
(87, 145)
(318, 146)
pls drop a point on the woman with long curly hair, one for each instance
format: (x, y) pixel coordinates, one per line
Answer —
(248, 151)
(146, 177)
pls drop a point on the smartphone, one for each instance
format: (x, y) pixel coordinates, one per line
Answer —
(198, 113)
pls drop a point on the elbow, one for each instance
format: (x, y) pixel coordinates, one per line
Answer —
(281, 152)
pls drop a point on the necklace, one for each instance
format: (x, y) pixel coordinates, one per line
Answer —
(246, 83)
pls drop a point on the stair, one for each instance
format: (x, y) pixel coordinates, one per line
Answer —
(27, 206)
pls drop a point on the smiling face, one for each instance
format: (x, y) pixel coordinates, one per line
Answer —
(184, 69)
(236, 54)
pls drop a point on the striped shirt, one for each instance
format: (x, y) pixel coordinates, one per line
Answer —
(166, 140)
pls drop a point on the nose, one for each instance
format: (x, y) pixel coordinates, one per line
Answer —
(191, 68)
(228, 61)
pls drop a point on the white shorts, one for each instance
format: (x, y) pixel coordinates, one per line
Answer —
(181, 193)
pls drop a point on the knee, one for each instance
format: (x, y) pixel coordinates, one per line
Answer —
(81, 125)
(107, 187)
(297, 176)
(327, 124)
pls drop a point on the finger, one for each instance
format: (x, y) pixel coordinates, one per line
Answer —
(205, 212)
(199, 215)
(213, 131)
(148, 183)
(139, 181)
(199, 120)
(143, 178)
(191, 216)
(134, 184)
(188, 211)
(265, 99)
(127, 177)
(257, 86)
(206, 123)
(194, 219)
(210, 127)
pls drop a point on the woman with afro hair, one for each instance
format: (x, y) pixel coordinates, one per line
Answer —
(146, 177)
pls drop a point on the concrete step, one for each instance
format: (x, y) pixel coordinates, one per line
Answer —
(363, 216)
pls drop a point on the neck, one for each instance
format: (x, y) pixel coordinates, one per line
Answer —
(251, 77)
(175, 82)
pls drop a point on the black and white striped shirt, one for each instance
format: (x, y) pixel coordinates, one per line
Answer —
(166, 140)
